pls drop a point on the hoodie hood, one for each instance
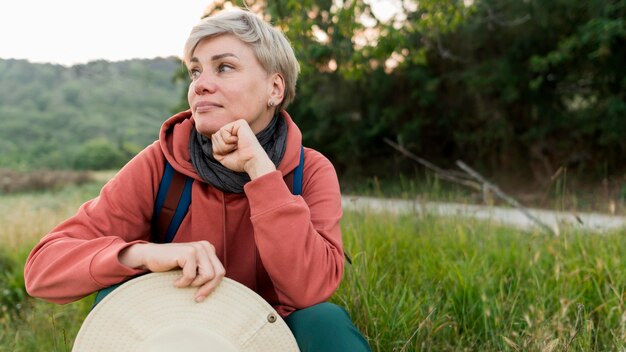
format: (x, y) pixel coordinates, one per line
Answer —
(176, 131)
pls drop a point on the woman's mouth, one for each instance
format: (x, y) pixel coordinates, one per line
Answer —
(206, 106)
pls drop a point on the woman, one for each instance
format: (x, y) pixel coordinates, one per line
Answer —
(239, 145)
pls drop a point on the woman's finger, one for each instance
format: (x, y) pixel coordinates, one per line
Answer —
(223, 144)
(206, 271)
(228, 134)
(217, 142)
(209, 286)
(189, 265)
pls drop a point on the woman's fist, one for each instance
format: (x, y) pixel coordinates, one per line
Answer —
(236, 147)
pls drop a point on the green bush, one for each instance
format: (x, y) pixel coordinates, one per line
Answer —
(99, 154)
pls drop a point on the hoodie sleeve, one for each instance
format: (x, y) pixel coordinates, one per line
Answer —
(80, 256)
(299, 237)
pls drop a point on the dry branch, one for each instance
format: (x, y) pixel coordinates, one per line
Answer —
(496, 190)
(443, 174)
(464, 179)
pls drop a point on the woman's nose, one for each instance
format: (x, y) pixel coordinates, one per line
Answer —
(204, 84)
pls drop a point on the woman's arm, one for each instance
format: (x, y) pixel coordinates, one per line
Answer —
(80, 255)
(299, 237)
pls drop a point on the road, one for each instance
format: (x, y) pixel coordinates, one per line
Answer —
(595, 222)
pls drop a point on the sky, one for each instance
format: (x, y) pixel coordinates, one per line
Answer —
(71, 32)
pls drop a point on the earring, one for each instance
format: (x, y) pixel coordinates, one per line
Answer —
(270, 103)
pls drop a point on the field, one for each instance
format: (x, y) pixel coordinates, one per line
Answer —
(417, 283)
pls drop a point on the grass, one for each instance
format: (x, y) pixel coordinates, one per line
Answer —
(425, 283)
(417, 283)
(27, 324)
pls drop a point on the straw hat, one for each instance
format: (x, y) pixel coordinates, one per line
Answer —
(149, 314)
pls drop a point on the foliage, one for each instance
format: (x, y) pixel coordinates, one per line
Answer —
(515, 87)
(99, 154)
(48, 113)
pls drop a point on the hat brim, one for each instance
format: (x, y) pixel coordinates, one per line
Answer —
(149, 314)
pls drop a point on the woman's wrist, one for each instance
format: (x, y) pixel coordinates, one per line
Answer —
(259, 166)
(132, 256)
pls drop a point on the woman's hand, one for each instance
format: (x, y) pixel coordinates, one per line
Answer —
(198, 261)
(235, 146)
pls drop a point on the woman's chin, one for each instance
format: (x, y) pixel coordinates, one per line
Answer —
(206, 132)
(208, 129)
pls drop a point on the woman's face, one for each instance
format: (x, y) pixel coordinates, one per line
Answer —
(228, 84)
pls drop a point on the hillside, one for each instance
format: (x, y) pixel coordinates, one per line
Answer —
(52, 116)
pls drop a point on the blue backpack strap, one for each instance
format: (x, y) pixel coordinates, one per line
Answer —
(171, 204)
(297, 175)
(174, 189)
(181, 211)
(164, 186)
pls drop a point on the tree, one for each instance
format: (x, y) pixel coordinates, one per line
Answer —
(524, 87)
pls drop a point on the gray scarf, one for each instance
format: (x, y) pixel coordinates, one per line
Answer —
(272, 138)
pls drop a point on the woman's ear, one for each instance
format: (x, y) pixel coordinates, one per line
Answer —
(277, 89)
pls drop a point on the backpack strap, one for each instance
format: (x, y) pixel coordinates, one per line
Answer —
(298, 174)
(103, 293)
(171, 204)
(170, 207)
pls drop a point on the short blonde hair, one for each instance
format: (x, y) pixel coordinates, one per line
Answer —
(270, 46)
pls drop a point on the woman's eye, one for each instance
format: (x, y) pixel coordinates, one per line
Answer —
(194, 73)
(224, 68)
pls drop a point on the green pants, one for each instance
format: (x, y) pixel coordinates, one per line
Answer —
(325, 327)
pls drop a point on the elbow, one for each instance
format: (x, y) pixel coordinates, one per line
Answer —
(323, 289)
(314, 297)
(34, 282)
(34, 287)
(30, 282)
(34, 290)
(38, 291)
(37, 287)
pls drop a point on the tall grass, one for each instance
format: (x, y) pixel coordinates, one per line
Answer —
(425, 283)
(417, 283)
(27, 324)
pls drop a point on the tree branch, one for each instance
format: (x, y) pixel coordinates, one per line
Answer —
(496, 190)
(443, 174)
(482, 185)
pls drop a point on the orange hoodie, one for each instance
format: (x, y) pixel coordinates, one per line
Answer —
(286, 248)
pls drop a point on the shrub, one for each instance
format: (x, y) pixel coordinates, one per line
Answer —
(99, 154)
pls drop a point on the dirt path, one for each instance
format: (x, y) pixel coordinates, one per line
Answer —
(556, 220)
